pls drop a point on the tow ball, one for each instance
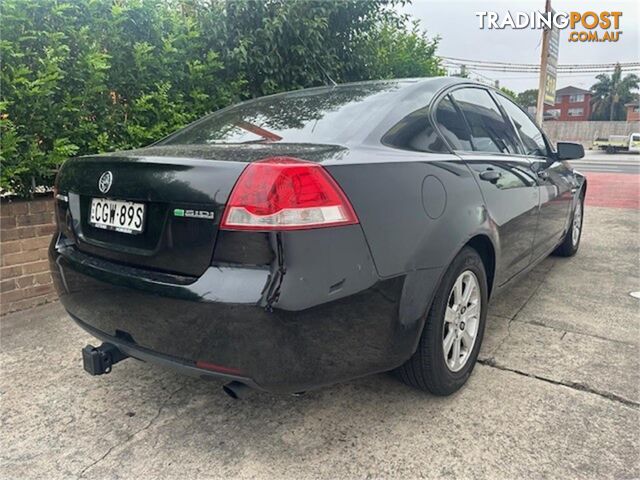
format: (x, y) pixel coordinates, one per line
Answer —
(100, 360)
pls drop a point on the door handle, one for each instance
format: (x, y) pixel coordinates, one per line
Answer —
(490, 175)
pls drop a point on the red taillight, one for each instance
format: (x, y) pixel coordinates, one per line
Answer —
(284, 193)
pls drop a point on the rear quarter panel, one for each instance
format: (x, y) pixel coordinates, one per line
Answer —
(417, 210)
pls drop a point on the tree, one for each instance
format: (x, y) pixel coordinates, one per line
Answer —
(509, 93)
(399, 48)
(611, 92)
(87, 76)
(528, 98)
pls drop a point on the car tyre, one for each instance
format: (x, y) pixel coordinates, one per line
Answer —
(571, 240)
(429, 369)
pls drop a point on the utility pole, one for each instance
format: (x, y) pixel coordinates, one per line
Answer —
(544, 55)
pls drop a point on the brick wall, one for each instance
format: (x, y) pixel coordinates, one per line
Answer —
(25, 232)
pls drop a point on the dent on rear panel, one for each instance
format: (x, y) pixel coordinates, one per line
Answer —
(323, 265)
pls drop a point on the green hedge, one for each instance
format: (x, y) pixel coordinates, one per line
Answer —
(85, 76)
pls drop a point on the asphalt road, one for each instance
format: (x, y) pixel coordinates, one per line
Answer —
(595, 161)
(555, 395)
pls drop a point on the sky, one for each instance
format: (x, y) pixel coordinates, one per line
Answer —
(458, 26)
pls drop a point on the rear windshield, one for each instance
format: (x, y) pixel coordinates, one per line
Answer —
(311, 116)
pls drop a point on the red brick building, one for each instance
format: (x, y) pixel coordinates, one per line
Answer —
(572, 104)
(633, 111)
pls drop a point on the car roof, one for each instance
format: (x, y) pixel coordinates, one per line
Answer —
(390, 89)
(386, 101)
(399, 86)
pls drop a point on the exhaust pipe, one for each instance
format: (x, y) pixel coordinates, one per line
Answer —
(236, 390)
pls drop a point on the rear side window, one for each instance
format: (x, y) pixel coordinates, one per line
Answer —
(415, 132)
(452, 126)
(530, 135)
(490, 131)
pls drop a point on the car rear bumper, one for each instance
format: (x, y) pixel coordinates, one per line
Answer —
(227, 324)
(145, 355)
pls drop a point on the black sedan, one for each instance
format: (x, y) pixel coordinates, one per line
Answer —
(311, 237)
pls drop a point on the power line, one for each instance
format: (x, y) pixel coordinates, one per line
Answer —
(566, 69)
(506, 69)
(532, 77)
(492, 63)
(453, 70)
(520, 68)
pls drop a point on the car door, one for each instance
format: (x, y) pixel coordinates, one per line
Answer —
(491, 149)
(554, 180)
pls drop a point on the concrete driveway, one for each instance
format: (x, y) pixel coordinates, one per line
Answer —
(556, 395)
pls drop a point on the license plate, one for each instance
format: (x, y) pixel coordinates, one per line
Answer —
(119, 215)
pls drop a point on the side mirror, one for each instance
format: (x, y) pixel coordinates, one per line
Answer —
(570, 151)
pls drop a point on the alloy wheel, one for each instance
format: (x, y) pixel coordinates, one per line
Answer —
(461, 320)
(577, 224)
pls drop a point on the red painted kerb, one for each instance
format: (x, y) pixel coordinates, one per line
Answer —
(615, 190)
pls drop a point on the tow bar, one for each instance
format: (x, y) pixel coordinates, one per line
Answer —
(99, 360)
